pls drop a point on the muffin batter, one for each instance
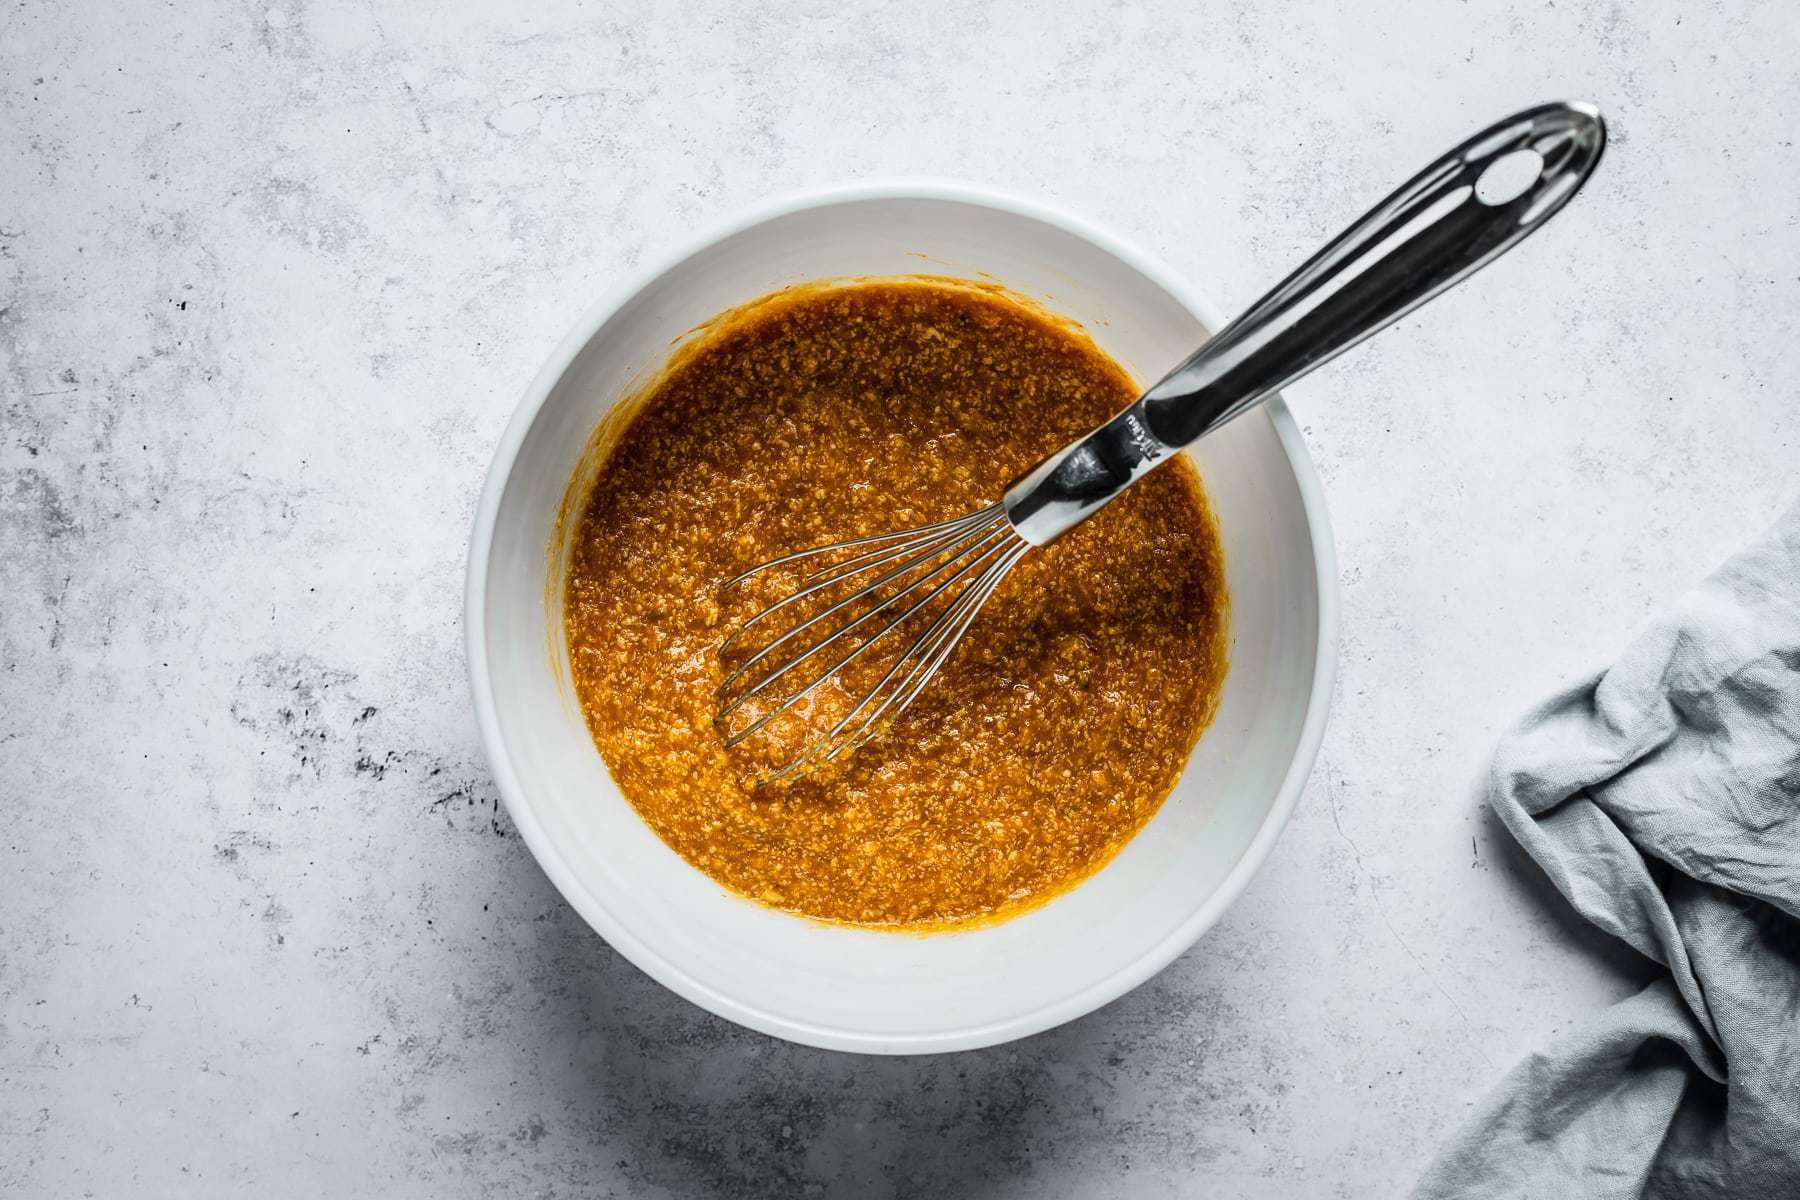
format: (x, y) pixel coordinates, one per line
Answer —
(826, 412)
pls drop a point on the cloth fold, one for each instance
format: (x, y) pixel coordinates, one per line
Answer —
(1662, 798)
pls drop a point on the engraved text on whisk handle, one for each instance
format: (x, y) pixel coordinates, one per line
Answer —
(1067, 487)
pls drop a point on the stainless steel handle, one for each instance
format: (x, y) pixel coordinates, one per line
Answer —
(1441, 226)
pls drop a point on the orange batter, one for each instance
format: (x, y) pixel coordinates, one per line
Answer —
(1057, 727)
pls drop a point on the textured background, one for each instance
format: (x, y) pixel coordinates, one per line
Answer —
(271, 279)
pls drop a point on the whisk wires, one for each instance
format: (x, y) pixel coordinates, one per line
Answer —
(911, 595)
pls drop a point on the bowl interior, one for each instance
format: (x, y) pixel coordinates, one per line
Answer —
(857, 989)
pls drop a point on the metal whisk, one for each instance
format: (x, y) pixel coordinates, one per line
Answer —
(930, 582)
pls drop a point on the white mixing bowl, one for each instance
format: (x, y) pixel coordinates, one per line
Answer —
(854, 989)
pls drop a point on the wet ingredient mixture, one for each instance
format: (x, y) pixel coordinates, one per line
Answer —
(1049, 737)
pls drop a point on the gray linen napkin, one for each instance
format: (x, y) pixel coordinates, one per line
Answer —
(1662, 797)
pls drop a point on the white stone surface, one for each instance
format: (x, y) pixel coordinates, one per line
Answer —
(271, 278)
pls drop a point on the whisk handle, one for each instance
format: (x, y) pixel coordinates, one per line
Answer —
(1447, 222)
(1441, 226)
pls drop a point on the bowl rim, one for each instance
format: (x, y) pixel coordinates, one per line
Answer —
(615, 931)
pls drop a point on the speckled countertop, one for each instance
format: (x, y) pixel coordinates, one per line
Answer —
(271, 278)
